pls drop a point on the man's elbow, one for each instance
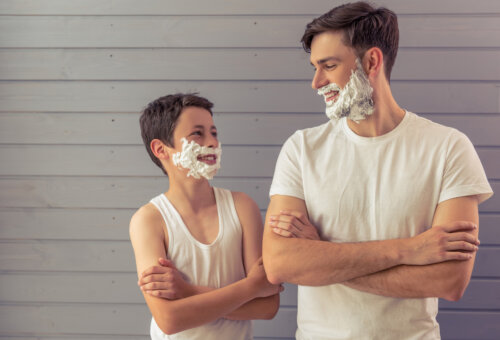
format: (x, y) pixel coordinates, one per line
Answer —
(272, 267)
(456, 289)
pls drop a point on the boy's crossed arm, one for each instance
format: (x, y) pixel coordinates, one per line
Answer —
(250, 298)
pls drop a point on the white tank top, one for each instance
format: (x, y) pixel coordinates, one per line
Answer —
(214, 265)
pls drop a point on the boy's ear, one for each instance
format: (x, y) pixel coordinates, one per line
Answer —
(159, 149)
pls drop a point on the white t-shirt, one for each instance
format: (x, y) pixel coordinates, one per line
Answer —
(374, 188)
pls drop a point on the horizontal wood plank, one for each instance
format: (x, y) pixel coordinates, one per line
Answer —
(225, 31)
(235, 7)
(92, 287)
(95, 287)
(128, 192)
(117, 256)
(112, 224)
(103, 192)
(134, 320)
(234, 128)
(92, 160)
(236, 161)
(231, 96)
(227, 64)
(469, 325)
(65, 224)
(104, 319)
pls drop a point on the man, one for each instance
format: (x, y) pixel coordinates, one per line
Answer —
(373, 214)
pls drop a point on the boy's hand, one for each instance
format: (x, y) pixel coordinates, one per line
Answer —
(164, 281)
(293, 224)
(257, 275)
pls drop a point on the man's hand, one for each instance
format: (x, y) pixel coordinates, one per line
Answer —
(293, 224)
(258, 276)
(165, 281)
(450, 241)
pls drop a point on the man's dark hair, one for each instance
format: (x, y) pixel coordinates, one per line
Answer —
(159, 118)
(363, 26)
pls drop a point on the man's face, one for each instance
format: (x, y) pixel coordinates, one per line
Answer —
(333, 61)
(340, 78)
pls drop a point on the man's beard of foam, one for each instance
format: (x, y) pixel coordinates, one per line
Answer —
(188, 159)
(354, 101)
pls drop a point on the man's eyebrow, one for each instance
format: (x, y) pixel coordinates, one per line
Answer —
(324, 60)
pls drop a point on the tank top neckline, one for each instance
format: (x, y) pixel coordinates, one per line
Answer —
(186, 229)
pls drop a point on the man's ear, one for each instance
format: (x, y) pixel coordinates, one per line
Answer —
(373, 62)
(159, 149)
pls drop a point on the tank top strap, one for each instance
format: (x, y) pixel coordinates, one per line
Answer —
(169, 215)
(226, 208)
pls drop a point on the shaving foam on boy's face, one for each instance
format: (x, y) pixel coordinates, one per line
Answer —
(354, 101)
(201, 161)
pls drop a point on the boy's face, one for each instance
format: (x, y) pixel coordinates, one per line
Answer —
(195, 124)
(196, 152)
(332, 59)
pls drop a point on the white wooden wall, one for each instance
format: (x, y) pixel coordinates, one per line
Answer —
(75, 74)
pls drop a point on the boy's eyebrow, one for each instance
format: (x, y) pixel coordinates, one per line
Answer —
(324, 60)
(202, 127)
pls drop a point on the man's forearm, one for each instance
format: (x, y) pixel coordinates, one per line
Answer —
(436, 280)
(316, 263)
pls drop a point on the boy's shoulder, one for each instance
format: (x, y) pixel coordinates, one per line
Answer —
(147, 219)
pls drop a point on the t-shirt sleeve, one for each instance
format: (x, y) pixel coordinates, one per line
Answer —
(464, 174)
(287, 178)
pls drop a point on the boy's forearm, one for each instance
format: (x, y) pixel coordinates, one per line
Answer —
(173, 316)
(259, 308)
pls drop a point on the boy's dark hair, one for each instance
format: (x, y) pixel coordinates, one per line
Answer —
(159, 118)
(363, 26)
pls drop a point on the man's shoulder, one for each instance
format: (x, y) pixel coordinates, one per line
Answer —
(430, 126)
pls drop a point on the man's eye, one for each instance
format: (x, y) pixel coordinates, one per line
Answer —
(214, 133)
(198, 133)
(330, 67)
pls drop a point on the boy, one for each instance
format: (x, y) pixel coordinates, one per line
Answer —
(211, 236)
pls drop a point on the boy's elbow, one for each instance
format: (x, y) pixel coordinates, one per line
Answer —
(168, 324)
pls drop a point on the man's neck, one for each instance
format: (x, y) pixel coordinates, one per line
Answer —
(385, 117)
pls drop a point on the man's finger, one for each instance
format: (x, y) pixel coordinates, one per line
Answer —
(459, 225)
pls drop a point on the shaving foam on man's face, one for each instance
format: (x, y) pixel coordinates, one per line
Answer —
(201, 161)
(354, 101)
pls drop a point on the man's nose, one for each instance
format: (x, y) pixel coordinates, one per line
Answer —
(319, 80)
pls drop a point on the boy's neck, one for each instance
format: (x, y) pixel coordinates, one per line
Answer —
(191, 194)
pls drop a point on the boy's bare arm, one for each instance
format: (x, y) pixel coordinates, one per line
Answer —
(166, 282)
(172, 316)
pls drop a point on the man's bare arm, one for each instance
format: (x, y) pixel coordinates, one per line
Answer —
(315, 262)
(447, 280)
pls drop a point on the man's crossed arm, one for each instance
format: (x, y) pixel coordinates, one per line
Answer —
(436, 263)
